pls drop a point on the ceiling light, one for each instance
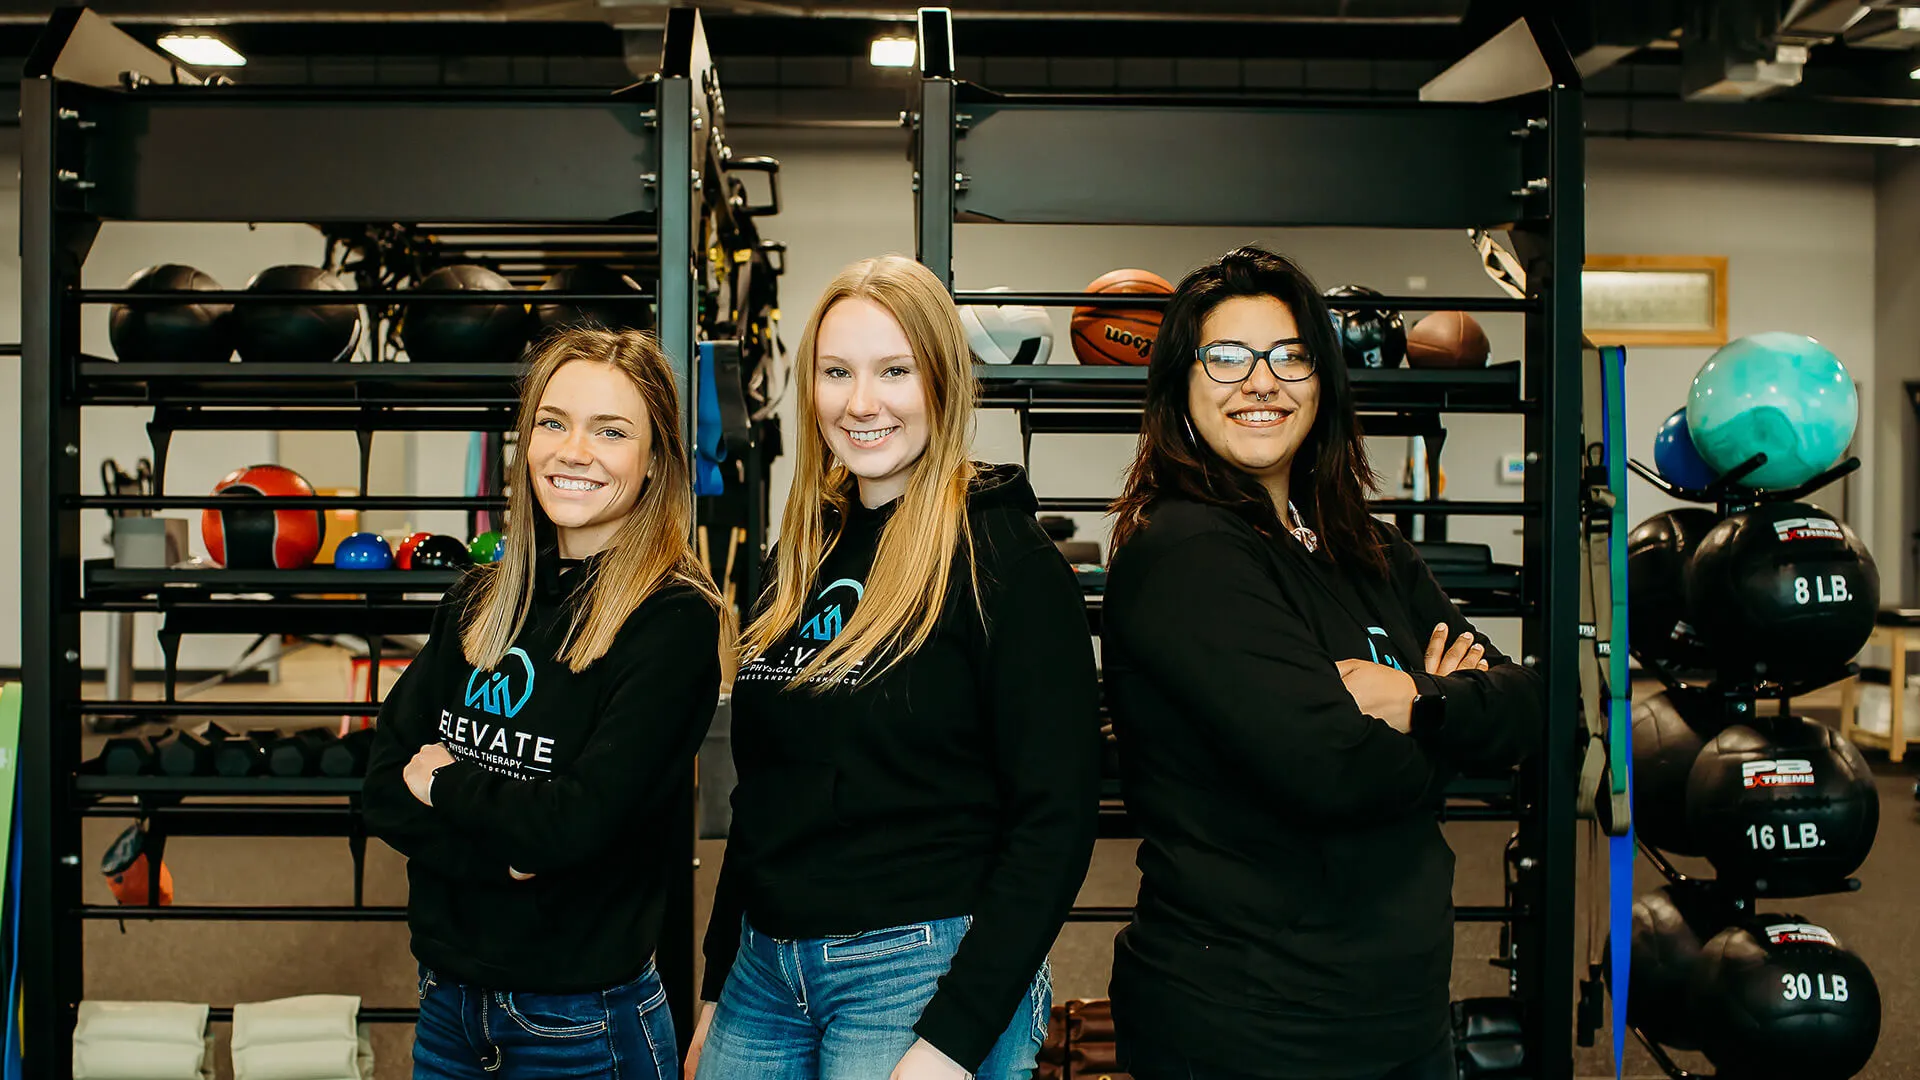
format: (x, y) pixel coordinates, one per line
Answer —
(894, 52)
(202, 50)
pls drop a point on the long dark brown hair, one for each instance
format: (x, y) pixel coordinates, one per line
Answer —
(1330, 476)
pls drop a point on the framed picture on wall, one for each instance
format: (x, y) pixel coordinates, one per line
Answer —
(1655, 299)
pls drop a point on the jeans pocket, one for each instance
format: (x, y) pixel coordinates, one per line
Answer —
(876, 943)
(427, 982)
(557, 1016)
(656, 1024)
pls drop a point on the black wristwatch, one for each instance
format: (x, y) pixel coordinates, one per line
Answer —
(1429, 714)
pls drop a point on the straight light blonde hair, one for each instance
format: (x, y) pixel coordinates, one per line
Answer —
(907, 589)
(653, 547)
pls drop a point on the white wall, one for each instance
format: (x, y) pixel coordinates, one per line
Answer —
(1897, 345)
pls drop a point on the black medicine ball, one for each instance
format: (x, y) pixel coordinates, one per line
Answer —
(1784, 590)
(441, 553)
(171, 333)
(605, 314)
(1659, 550)
(1670, 925)
(1669, 731)
(444, 332)
(296, 333)
(1778, 996)
(1369, 337)
(1785, 803)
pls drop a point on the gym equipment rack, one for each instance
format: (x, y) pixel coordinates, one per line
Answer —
(1510, 158)
(111, 130)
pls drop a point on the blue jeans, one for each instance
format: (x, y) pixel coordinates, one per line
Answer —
(843, 1008)
(472, 1033)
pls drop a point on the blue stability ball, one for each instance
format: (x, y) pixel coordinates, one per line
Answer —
(363, 551)
(1675, 456)
(1784, 395)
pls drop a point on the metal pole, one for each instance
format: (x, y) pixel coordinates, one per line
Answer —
(51, 249)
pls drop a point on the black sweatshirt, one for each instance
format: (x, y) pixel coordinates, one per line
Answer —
(962, 781)
(1295, 910)
(563, 776)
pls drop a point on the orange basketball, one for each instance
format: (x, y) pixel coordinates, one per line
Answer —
(1447, 339)
(1118, 335)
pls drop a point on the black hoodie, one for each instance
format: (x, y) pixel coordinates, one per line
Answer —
(1295, 915)
(560, 775)
(962, 781)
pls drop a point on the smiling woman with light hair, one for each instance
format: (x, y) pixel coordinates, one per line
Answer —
(527, 759)
(915, 728)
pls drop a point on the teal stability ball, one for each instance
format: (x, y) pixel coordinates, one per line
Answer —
(1784, 395)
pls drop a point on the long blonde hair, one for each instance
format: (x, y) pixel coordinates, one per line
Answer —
(907, 588)
(653, 547)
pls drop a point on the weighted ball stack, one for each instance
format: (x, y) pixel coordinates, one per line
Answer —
(1669, 731)
(1369, 337)
(1670, 926)
(295, 333)
(174, 332)
(243, 539)
(447, 332)
(1659, 551)
(1780, 996)
(605, 314)
(1785, 806)
(1783, 590)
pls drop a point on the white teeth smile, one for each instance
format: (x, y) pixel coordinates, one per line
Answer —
(575, 485)
(869, 437)
(1262, 417)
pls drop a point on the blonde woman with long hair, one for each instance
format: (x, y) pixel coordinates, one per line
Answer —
(915, 727)
(524, 760)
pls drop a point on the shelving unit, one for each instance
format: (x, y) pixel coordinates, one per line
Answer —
(111, 131)
(1513, 162)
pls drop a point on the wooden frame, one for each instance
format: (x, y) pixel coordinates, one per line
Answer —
(1622, 302)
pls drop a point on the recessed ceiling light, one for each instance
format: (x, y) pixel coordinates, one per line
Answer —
(896, 52)
(202, 50)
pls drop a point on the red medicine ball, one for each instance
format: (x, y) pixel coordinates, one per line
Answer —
(263, 539)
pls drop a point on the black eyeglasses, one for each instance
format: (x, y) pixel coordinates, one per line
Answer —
(1227, 362)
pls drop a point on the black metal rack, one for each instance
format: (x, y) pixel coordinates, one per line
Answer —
(1511, 159)
(113, 131)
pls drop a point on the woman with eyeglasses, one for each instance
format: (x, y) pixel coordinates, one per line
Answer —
(1292, 691)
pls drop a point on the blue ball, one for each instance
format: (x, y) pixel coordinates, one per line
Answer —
(1784, 395)
(363, 551)
(1674, 454)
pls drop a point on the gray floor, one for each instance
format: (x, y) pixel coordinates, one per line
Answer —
(224, 963)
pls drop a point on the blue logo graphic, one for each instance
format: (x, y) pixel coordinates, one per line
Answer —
(1391, 660)
(495, 694)
(827, 625)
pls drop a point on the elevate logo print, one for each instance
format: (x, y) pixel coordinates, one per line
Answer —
(827, 623)
(1388, 658)
(495, 695)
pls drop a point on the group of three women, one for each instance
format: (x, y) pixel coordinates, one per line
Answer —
(916, 726)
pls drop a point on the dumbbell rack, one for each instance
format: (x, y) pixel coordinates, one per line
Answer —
(1739, 700)
(113, 131)
(983, 157)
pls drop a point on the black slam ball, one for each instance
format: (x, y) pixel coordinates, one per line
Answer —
(1784, 805)
(175, 332)
(1776, 995)
(1659, 550)
(296, 333)
(1669, 731)
(605, 314)
(1784, 590)
(1670, 926)
(1369, 337)
(446, 332)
